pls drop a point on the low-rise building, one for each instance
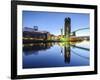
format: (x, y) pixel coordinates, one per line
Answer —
(33, 34)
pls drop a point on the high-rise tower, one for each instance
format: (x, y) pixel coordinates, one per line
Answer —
(67, 27)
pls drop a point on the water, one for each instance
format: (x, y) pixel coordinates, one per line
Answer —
(55, 54)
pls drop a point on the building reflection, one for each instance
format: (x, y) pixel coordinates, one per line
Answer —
(67, 53)
(35, 47)
(65, 49)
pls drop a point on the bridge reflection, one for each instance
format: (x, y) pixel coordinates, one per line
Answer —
(65, 48)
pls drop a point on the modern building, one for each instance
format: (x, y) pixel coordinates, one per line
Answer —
(35, 34)
(67, 27)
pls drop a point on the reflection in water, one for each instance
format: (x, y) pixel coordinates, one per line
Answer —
(80, 55)
(35, 47)
(67, 53)
(38, 55)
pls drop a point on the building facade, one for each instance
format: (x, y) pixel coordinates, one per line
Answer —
(67, 27)
(35, 34)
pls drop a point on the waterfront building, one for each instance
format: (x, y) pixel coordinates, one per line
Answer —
(67, 27)
(35, 34)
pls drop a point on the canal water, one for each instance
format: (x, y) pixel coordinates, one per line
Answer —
(56, 54)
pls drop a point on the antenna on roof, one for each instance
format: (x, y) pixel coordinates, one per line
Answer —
(35, 28)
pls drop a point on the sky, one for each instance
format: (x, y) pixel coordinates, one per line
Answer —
(54, 21)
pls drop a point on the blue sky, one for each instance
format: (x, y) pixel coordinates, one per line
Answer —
(54, 21)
